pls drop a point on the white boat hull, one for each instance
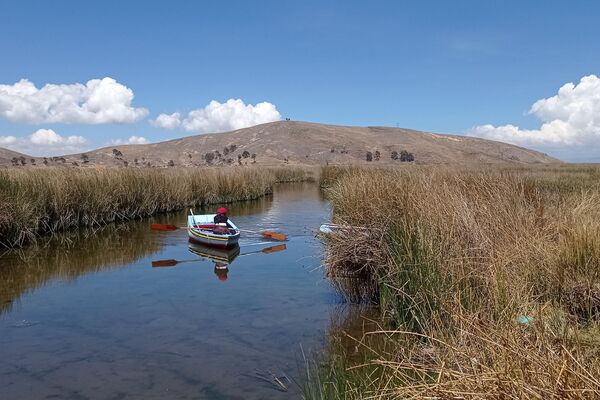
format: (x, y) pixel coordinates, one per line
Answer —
(200, 230)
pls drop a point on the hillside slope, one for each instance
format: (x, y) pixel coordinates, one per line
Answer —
(6, 156)
(294, 142)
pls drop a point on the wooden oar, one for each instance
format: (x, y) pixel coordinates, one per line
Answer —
(166, 227)
(168, 263)
(171, 262)
(269, 234)
(267, 250)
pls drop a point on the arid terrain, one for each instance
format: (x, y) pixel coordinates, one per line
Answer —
(297, 143)
(6, 156)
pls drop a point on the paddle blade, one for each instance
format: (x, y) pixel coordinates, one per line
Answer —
(274, 249)
(163, 227)
(164, 263)
(275, 235)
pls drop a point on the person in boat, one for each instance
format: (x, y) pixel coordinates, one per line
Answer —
(220, 221)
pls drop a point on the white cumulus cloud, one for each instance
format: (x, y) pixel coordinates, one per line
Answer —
(98, 101)
(167, 121)
(131, 140)
(221, 117)
(45, 142)
(47, 137)
(569, 119)
(7, 140)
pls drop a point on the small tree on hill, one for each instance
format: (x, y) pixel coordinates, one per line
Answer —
(209, 157)
(253, 156)
(405, 156)
(245, 154)
(394, 155)
(369, 156)
(377, 155)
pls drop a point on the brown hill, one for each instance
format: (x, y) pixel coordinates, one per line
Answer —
(294, 142)
(7, 156)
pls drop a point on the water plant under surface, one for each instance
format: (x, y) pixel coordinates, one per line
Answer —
(488, 282)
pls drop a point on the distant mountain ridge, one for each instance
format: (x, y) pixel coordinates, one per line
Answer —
(293, 142)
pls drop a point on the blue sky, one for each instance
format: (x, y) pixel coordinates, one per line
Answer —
(441, 66)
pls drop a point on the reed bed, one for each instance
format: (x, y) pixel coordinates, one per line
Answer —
(488, 281)
(292, 174)
(331, 174)
(39, 202)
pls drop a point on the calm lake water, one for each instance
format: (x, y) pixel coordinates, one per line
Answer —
(92, 319)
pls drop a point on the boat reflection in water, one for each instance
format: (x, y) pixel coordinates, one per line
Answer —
(217, 254)
(222, 257)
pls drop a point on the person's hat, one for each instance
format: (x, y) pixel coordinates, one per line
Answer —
(222, 210)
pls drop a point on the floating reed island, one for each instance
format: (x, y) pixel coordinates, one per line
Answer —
(38, 202)
(488, 282)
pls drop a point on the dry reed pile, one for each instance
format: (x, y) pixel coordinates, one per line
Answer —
(489, 282)
(37, 202)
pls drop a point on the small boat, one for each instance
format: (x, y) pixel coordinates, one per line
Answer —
(347, 229)
(330, 228)
(203, 230)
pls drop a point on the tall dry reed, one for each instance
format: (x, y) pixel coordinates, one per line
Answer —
(37, 202)
(489, 282)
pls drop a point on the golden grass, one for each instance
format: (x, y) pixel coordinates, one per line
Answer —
(457, 257)
(37, 202)
(292, 174)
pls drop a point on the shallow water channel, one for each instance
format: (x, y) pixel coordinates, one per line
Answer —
(89, 317)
